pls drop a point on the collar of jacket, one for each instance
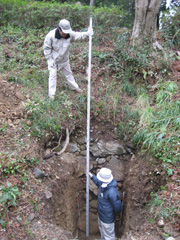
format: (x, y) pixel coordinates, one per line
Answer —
(58, 35)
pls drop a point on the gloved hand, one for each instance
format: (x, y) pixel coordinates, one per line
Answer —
(90, 175)
(90, 32)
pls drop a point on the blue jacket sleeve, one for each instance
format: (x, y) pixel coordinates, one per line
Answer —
(96, 181)
(115, 200)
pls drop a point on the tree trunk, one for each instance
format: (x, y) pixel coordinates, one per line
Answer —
(92, 2)
(146, 12)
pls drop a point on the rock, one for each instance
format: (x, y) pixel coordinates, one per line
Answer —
(38, 173)
(116, 131)
(133, 157)
(81, 140)
(129, 150)
(48, 194)
(67, 158)
(160, 223)
(130, 145)
(93, 210)
(120, 185)
(117, 169)
(93, 204)
(48, 151)
(101, 160)
(103, 149)
(81, 166)
(93, 188)
(170, 238)
(83, 153)
(72, 148)
(31, 217)
(20, 95)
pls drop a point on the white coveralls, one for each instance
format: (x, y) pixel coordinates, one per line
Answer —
(56, 52)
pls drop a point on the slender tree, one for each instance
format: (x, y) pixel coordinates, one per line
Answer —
(146, 12)
(92, 2)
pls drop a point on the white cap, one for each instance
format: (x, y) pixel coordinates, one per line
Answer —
(65, 26)
(105, 175)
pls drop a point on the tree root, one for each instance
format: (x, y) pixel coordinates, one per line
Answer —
(65, 144)
(58, 143)
(52, 153)
(157, 46)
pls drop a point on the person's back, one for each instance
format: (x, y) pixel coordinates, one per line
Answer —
(109, 202)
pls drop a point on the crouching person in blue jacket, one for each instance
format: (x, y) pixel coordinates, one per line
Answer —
(109, 202)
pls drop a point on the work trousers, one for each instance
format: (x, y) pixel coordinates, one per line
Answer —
(66, 69)
(107, 230)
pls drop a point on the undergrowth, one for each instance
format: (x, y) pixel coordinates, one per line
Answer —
(160, 134)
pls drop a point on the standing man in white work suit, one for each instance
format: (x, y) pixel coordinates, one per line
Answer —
(56, 50)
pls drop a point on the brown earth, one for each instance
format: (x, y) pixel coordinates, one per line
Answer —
(35, 216)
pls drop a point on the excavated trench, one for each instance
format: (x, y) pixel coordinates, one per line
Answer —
(67, 206)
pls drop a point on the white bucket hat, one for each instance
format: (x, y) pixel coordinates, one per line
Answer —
(65, 26)
(105, 175)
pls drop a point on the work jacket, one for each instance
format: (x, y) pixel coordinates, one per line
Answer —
(57, 49)
(109, 202)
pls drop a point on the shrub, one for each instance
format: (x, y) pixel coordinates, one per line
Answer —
(40, 14)
(161, 134)
(170, 26)
(8, 194)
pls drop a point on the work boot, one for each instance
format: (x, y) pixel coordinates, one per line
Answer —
(78, 90)
(51, 98)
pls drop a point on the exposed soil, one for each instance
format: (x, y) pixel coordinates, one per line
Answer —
(36, 214)
(44, 201)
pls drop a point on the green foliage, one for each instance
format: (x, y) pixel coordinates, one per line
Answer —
(3, 223)
(165, 93)
(143, 99)
(159, 211)
(128, 125)
(35, 14)
(16, 168)
(137, 58)
(127, 86)
(48, 116)
(3, 127)
(45, 116)
(170, 27)
(108, 17)
(8, 194)
(11, 167)
(146, 116)
(10, 164)
(160, 208)
(162, 131)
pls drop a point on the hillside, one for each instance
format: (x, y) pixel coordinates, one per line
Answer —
(134, 103)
